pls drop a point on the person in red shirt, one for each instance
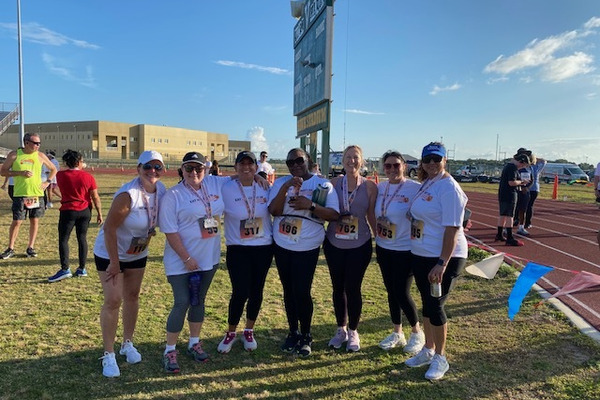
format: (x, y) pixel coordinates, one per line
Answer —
(79, 191)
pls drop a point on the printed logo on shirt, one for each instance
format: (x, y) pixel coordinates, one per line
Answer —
(27, 161)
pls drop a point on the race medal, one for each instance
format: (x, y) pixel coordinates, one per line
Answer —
(291, 227)
(251, 228)
(31, 202)
(209, 227)
(347, 228)
(416, 229)
(138, 244)
(386, 230)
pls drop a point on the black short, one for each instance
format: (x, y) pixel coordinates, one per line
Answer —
(507, 209)
(102, 263)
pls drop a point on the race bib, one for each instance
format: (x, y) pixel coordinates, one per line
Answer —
(251, 229)
(209, 227)
(416, 229)
(386, 230)
(291, 227)
(138, 245)
(31, 202)
(347, 228)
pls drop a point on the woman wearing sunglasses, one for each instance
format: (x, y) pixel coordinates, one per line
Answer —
(121, 251)
(393, 251)
(300, 203)
(348, 247)
(439, 250)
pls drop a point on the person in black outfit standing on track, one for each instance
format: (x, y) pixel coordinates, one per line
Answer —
(510, 183)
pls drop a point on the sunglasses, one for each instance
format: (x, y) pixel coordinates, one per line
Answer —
(190, 168)
(297, 161)
(34, 143)
(149, 166)
(390, 166)
(436, 159)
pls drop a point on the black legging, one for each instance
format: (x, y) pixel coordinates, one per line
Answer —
(433, 307)
(347, 269)
(66, 221)
(296, 271)
(529, 213)
(248, 267)
(398, 278)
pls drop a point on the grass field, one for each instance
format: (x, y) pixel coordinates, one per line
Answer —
(50, 339)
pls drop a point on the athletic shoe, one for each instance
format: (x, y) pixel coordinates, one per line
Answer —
(170, 362)
(127, 349)
(514, 242)
(353, 341)
(416, 341)
(226, 343)
(249, 342)
(500, 238)
(290, 342)
(304, 345)
(49, 205)
(439, 366)
(423, 357)
(80, 273)
(60, 275)
(394, 339)
(8, 253)
(341, 336)
(528, 226)
(110, 369)
(31, 252)
(522, 231)
(197, 353)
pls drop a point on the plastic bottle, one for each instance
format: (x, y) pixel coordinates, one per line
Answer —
(194, 287)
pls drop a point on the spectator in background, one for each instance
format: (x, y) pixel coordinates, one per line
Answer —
(25, 166)
(264, 166)
(79, 193)
(536, 167)
(510, 183)
(53, 187)
(214, 169)
(597, 183)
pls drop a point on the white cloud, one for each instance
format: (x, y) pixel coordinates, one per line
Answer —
(561, 69)
(591, 96)
(437, 89)
(491, 81)
(53, 65)
(271, 70)
(36, 33)
(355, 111)
(258, 140)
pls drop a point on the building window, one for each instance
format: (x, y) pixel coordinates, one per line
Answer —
(194, 142)
(189, 142)
(166, 140)
(153, 140)
(159, 140)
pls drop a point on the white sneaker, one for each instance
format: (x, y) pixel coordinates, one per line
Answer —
(416, 341)
(226, 343)
(340, 337)
(393, 340)
(522, 231)
(127, 349)
(249, 341)
(110, 369)
(49, 205)
(423, 357)
(439, 366)
(353, 343)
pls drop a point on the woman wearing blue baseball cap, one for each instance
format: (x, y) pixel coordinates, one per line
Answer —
(439, 249)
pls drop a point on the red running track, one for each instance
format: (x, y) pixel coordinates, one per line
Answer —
(563, 235)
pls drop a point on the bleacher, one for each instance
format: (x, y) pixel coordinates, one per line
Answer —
(9, 113)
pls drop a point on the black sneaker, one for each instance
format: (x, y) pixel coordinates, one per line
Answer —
(31, 252)
(290, 342)
(303, 347)
(500, 238)
(8, 253)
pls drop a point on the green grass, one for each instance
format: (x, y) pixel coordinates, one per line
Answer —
(50, 340)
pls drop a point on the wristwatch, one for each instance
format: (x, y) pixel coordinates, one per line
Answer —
(48, 180)
(440, 262)
(312, 207)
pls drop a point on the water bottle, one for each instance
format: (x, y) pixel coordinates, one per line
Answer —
(436, 289)
(194, 287)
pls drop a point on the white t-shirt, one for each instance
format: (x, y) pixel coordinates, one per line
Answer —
(135, 225)
(183, 212)
(309, 232)
(265, 167)
(437, 206)
(597, 172)
(397, 207)
(236, 211)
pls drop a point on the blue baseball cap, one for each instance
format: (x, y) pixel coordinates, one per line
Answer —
(433, 148)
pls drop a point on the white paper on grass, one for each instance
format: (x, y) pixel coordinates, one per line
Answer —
(486, 268)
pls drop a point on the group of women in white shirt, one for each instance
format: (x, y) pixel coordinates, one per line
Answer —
(417, 229)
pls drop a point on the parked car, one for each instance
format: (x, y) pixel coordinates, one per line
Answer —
(411, 168)
(565, 173)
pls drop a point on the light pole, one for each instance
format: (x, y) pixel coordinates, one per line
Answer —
(75, 130)
(21, 117)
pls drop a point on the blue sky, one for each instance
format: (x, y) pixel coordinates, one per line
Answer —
(404, 72)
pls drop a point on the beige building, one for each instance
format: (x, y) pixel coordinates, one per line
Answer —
(107, 140)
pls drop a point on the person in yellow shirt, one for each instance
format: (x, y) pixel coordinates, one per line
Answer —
(25, 166)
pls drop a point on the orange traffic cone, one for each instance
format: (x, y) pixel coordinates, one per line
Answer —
(555, 189)
(376, 177)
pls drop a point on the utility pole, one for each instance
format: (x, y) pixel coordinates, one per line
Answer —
(21, 117)
(497, 139)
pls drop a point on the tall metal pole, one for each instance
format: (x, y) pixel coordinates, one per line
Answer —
(21, 116)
